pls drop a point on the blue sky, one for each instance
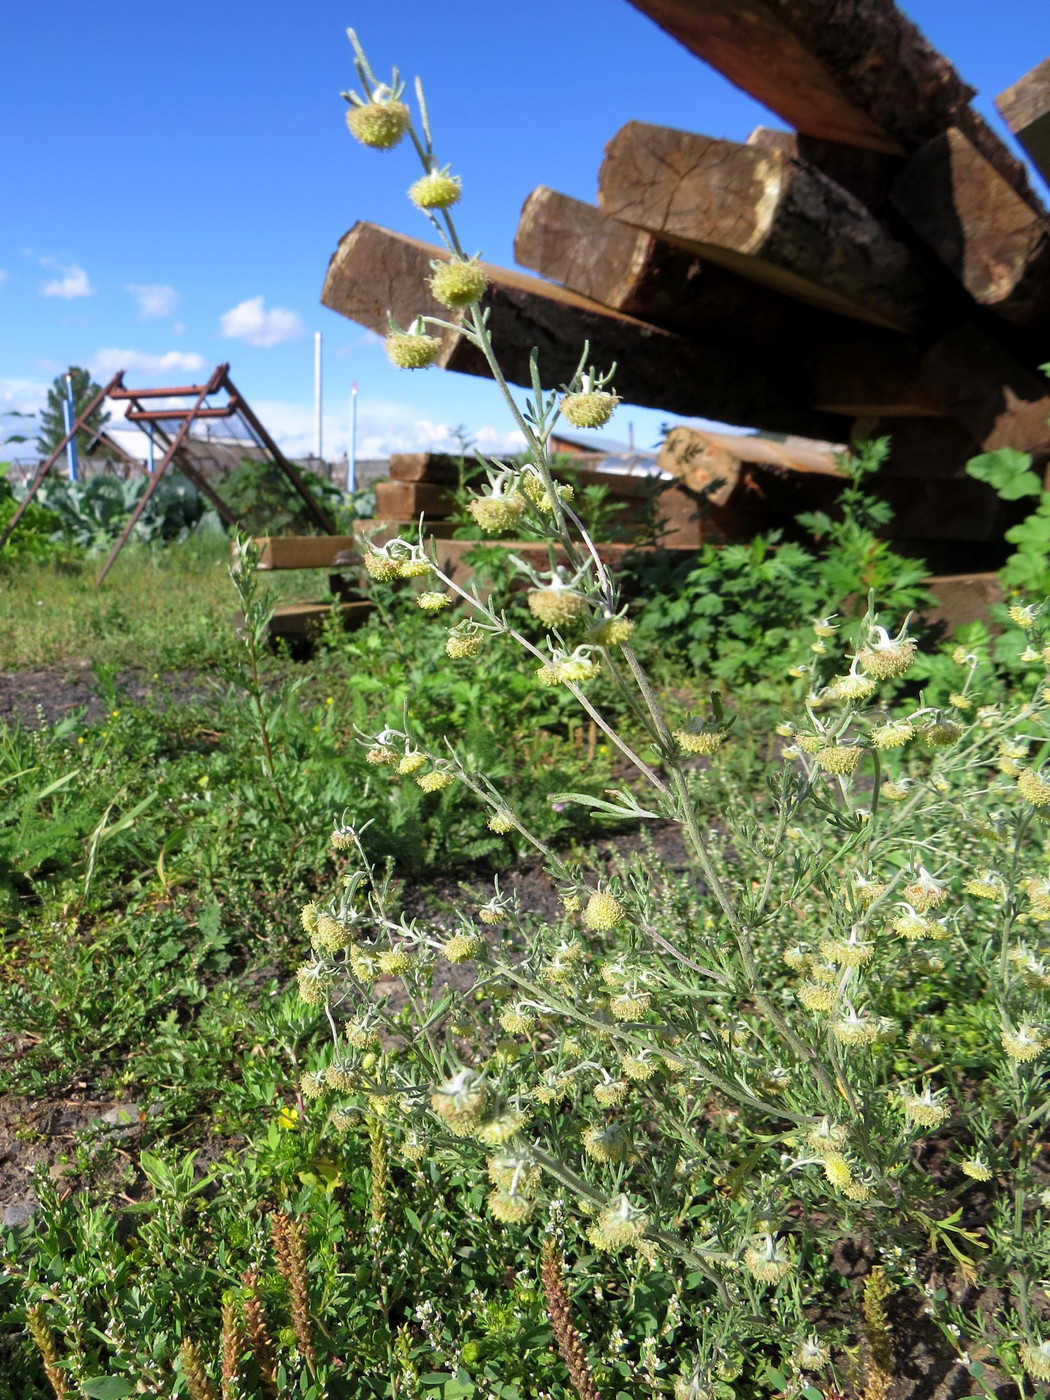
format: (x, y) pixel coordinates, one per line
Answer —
(177, 179)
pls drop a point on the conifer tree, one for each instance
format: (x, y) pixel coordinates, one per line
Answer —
(52, 422)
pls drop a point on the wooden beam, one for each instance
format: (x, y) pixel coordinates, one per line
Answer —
(856, 72)
(768, 216)
(867, 174)
(987, 236)
(374, 271)
(634, 271)
(407, 500)
(998, 401)
(1025, 108)
(873, 379)
(439, 467)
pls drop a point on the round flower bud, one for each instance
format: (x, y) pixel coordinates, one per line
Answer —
(435, 781)
(619, 1224)
(462, 645)
(433, 602)
(925, 1109)
(943, 733)
(612, 632)
(977, 1168)
(603, 913)
(330, 935)
(341, 1077)
(885, 658)
(847, 952)
(411, 763)
(315, 980)
(308, 917)
(501, 1127)
(852, 1029)
(577, 669)
(517, 1020)
(549, 675)
(380, 125)
(438, 190)
(815, 997)
(630, 1008)
(496, 514)
(557, 606)
(893, 792)
(510, 1209)
(827, 1137)
(851, 687)
(837, 1170)
(460, 1101)
(837, 759)
(892, 735)
(1033, 788)
(394, 962)
(811, 1354)
(608, 1144)
(589, 410)
(458, 283)
(342, 838)
(612, 1093)
(1025, 1043)
(311, 1084)
(364, 964)
(380, 755)
(501, 822)
(1035, 1358)
(360, 1036)
(461, 947)
(925, 892)
(638, 1068)
(413, 567)
(408, 350)
(767, 1260)
(705, 741)
(381, 567)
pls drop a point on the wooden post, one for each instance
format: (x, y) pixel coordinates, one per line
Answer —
(1025, 108)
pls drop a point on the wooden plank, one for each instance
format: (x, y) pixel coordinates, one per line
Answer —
(998, 401)
(437, 467)
(1025, 108)
(962, 598)
(767, 216)
(303, 621)
(855, 72)
(374, 271)
(407, 500)
(643, 275)
(985, 234)
(304, 551)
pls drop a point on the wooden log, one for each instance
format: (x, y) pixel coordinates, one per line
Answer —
(1025, 108)
(961, 598)
(374, 271)
(642, 275)
(867, 174)
(987, 236)
(873, 379)
(769, 217)
(713, 464)
(855, 72)
(998, 401)
(407, 500)
(437, 467)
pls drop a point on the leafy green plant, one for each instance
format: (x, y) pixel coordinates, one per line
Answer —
(266, 503)
(738, 611)
(1009, 473)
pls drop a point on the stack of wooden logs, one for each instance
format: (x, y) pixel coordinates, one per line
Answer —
(881, 268)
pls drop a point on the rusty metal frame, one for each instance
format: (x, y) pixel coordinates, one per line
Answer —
(175, 454)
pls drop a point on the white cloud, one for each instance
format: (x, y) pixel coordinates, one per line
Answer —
(383, 426)
(154, 298)
(251, 322)
(21, 396)
(105, 363)
(72, 282)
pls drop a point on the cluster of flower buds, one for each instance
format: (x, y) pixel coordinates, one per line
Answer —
(411, 349)
(396, 559)
(592, 405)
(569, 668)
(381, 120)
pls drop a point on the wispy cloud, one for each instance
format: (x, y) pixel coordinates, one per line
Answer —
(251, 322)
(105, 363)
(3, 276)
(21, 396)
(71, 282)
(154, 298)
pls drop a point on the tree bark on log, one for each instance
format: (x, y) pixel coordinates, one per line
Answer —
(1025, 108)
(767, 216)
(857, 72)
(375, 271)
(989, 238)
(642, 275)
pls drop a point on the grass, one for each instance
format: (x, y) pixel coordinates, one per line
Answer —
(159, 609)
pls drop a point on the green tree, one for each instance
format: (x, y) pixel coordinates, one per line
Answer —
(52, 422)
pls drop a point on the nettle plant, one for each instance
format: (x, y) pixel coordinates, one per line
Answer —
(830, 1026)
